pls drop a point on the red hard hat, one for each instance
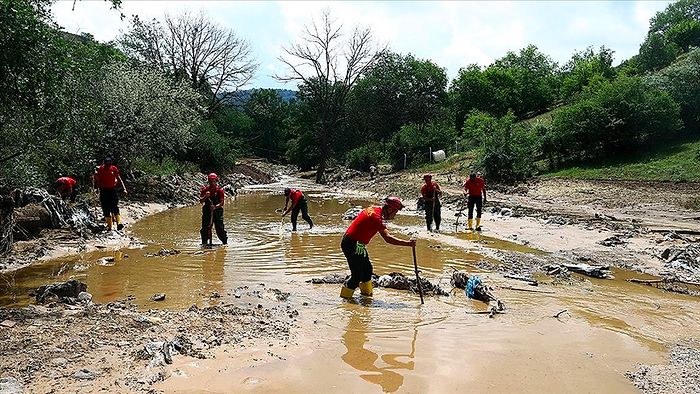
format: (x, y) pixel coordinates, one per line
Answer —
(213, 176)
(428, 176)
(394, 202)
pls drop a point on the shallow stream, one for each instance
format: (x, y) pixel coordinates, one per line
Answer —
(389, 343)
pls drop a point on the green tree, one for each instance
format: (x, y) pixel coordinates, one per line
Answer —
(211, 58)
(656, 52)
(616, 118)
(680, 80)
(327, 67)
(583, 67)
(268, 113)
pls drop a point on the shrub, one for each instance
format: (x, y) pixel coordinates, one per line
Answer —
(615, 117)
(507, 150)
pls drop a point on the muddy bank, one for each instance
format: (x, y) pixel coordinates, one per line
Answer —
(630, 225)
(117, 347)
(680, 375)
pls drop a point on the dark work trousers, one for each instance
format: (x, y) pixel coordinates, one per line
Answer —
(302, 206)
(218, 218)
(474, 200)
(358, 261)
(433, 213)
(109, 200)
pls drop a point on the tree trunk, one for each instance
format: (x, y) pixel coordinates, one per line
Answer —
(7, 224)
(321, 169)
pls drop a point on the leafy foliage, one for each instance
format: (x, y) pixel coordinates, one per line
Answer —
(615, 118)
(680, 80)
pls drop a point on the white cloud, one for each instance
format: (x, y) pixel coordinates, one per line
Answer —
(452, 34)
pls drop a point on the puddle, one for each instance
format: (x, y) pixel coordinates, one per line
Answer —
(389, 343)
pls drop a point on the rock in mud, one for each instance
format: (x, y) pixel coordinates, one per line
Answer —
(66, 292)
(352, 213)
(84, 296)
(612, 241)
(158, 297)
(330, 279)
(10, 385)
(84, 374)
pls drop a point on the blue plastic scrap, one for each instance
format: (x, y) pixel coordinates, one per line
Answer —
(473, 282)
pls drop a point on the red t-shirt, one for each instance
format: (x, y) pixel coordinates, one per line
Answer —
(216, 193)
(295, 196)
(428, 190)
(106, 176)
(474, 187)
(66, 183)
(368, 223)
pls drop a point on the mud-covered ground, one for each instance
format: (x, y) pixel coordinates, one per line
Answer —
(117, 347)
(650, 228)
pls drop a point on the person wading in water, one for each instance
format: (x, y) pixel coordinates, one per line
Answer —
(299, 203)
(106, 179)
(212, 196)
(431, 195)
(368, 223)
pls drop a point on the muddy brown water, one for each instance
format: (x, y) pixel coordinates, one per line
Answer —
(389, 343)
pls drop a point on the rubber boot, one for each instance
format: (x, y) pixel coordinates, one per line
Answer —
(470, 223)
(108, 221)
(478, 224)
(119, 222)
(366, 288)
(346, 292)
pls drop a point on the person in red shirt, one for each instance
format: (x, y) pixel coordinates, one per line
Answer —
(431, 195)
(106, 179)
(65, 187)
(212, 198)
(299, 203)
(368, 223)
(474, 187)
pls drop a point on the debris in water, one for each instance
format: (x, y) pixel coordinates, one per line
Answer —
(393, 280)
(163, 252)
(601, 272)
(352, 213)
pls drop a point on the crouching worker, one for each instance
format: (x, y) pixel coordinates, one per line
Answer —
(65, 187)
(299, 203)
(212, 196)
(368, 223)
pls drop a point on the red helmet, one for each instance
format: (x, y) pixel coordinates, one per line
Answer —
(394, 202)
(213, 177)
(428, 176)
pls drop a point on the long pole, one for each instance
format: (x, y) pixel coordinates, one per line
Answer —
(415, 266)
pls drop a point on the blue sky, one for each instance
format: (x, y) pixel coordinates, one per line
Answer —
(452, 34)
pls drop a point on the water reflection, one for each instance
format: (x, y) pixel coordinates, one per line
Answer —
(360, 357)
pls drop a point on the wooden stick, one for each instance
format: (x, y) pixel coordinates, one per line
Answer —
(528, 290)
(556, 316)
(415, 266)
(677, 231)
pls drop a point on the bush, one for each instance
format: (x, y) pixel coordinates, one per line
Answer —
(362, 157)
(166, 166)
(507, 150)
(416, 141)
(615, 118)
(211, 150)
(681, 81)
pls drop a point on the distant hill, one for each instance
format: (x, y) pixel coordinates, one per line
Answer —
(241, 97)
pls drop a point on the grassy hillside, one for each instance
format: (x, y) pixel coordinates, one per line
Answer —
(678, 162)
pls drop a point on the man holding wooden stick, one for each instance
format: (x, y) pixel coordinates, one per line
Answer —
(368, 223)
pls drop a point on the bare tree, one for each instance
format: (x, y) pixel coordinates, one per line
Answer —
(326, 67)
(211, 58)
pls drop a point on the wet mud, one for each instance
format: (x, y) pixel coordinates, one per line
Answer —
(385, 343)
